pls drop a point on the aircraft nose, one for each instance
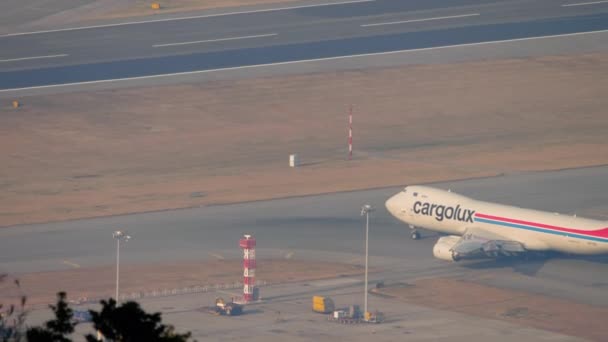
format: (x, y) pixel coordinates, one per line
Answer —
(392, 204)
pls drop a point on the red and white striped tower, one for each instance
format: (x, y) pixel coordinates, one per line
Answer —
(350, 133)
(247, 243)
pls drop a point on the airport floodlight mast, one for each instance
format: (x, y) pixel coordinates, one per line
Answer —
(119, 235)
(365, 210)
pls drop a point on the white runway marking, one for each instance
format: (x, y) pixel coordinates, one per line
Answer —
(73, 264)
(28, 58)
(216, 255)
(216, 40)
(289, 255)
(425, 19)
(585, 3)
(188, 18)
(298, 62)
(334, 282)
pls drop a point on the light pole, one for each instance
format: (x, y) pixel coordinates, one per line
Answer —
(119, 235)
(365, 210)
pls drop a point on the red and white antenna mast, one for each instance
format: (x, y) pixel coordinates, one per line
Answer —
(350, 133)
(247, 243)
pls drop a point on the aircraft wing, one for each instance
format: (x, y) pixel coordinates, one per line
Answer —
(477, 242)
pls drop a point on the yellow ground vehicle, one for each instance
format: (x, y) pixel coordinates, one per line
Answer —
(374, 317)
(226, 309)
(322, 304)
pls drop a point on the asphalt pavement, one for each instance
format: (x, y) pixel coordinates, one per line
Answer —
(231, 40)
(325, 227)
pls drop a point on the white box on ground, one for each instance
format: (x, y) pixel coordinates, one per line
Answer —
(294, 161)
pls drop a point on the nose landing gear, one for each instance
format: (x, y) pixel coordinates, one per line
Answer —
(415, 234)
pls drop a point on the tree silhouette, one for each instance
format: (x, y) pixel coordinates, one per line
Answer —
(125, 323)
(12, 318)
(129, 323)
(56, 329)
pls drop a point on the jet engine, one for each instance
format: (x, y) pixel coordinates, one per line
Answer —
(443, 248)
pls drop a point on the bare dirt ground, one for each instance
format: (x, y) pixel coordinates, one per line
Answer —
(41, 287)
(523, 308)
(119, 151)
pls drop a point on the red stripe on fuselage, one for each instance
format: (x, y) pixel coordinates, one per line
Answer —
(597, 233)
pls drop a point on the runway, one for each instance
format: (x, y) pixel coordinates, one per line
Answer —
(327, 227)
(269, 37)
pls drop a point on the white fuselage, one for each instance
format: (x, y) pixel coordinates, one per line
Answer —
(450, 213)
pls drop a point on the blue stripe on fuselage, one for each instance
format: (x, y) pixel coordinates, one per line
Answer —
(540, 230)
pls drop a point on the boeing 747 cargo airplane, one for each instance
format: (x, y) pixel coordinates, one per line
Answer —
(483, 229)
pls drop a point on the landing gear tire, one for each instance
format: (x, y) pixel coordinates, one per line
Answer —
(455, 256)
(415, 235)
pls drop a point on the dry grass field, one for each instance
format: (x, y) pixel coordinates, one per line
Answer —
(111, 152)
(92, 282)
(528, 309)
